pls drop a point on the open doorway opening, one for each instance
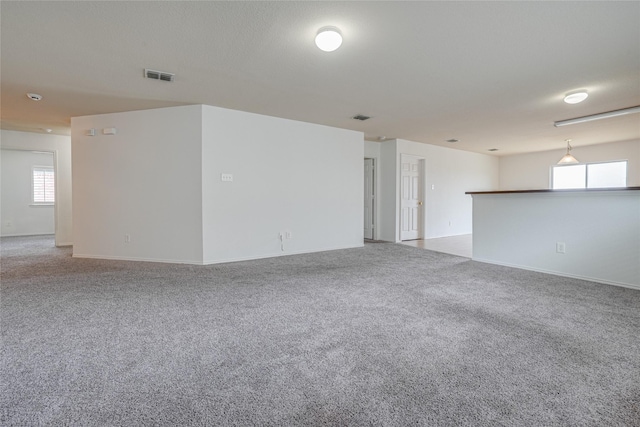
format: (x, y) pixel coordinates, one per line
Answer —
(28, 193)
(369, 199)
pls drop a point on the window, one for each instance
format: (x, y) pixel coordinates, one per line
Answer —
(43, 185)
(589, 175)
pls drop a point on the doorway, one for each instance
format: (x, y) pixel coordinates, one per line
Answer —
(411, 197)
(369, 198)
(28, 193)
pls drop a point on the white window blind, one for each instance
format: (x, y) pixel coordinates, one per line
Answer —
(43, 185)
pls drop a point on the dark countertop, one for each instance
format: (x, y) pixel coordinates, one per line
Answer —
(577, 190)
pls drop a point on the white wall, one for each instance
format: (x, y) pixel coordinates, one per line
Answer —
(451, 173)
(371, 149)
(532, 170)
(60, 146)
(158, 180)
(20, 217)
(600, 229)
(145, 181)
(287, 176)
(389, 202)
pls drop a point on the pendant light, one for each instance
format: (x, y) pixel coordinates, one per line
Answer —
(568, 158)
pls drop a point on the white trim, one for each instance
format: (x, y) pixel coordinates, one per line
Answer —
(279, 254)
(28, 234)
(211, 262)
(120, 258)
(557, 273)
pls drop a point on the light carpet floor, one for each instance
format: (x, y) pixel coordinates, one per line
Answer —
(385, 335)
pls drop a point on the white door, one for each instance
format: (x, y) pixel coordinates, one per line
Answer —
(411, 203)
(369, 178)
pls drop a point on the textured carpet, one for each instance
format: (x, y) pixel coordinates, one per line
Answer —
(383, 335)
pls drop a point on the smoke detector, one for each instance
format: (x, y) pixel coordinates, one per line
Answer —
(34, 96)
(158, 75)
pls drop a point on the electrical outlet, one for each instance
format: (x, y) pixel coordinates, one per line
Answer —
(127, 238)
(561, 247)
(288, 235)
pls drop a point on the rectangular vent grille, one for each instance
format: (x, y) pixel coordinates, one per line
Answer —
(158, 75)
(361, 117)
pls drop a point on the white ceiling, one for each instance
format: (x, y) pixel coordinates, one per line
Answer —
(491, 74)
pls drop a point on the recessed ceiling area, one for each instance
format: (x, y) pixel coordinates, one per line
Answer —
(492, 74)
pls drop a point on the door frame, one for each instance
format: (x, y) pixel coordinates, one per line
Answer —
(55, 187)
(374, 189)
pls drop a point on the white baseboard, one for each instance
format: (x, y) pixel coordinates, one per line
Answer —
(28, 234)
(562, 274)
(138, 259)
(279, 254)
(211, 262)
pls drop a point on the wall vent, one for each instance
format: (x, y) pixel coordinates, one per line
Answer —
(361, 117)
(158, 75)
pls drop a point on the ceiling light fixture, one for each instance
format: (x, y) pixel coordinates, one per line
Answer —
(599, 116)
(576, 97)
(34, 96)
(328, 39)
(453, 140)
(568, 158)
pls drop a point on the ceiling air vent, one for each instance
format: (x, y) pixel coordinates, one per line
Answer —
(158, 75)
(361, 117)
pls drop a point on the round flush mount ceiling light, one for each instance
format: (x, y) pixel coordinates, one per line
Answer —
(576, 97)
(328, 39)
(34, 96)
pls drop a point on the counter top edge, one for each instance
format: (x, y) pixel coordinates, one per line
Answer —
(579, 190)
